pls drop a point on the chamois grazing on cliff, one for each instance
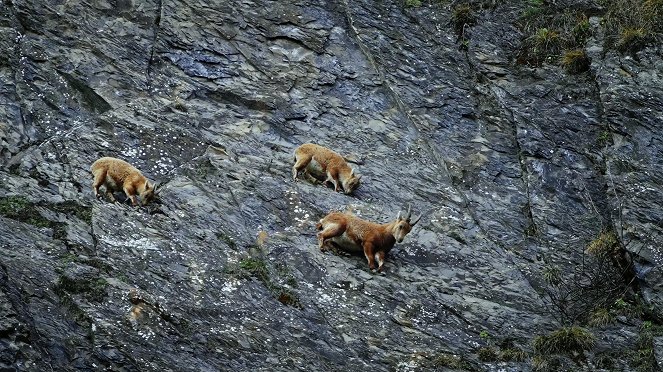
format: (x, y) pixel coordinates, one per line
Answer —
(323, 163)
(353, 234)
(118, 175)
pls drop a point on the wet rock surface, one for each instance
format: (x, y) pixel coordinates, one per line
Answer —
(517, 170)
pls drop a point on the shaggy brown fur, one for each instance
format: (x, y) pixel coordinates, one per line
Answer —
(353, 234)
(118, 175)
(321, 162)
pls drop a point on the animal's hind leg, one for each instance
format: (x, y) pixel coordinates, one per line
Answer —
(98, 181)
(301, 161)
(328, 232)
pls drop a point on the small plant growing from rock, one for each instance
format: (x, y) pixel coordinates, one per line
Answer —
(258, 268)
(631, 40)
(643, 357)
(575, 61)
(499, 350)
(600, 318)
(227, 239)
(552, 274)
(19, 208)
(546, 41)
(451, 361)
(604, 245)
(412, 3)
(487, 354)
(513, 354)
(461, 17)
(534, 9)
(566, 340)
(604, 138)
(580, 31)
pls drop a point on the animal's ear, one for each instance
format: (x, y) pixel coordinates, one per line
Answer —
(398, 218)
(416, 220)
(358, 177)
(352, 173)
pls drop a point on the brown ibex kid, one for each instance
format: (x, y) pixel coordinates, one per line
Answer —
(323, 163)
(353, 234)
(118, 175)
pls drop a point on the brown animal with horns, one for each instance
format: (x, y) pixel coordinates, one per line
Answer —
(323, 163)
(352, 234)
(118, 175)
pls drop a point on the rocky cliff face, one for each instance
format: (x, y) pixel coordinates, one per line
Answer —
(540, 190)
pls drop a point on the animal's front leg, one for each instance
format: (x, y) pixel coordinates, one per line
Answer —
(130, 191)
(379, 256)
(332, 178)
(368, 252)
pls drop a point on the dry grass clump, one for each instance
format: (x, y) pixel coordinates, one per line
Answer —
(575, 61)
(564, 340)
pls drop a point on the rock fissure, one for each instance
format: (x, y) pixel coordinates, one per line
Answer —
(155, 37)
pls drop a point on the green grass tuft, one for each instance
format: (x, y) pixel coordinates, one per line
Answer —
(462, 16)
(20, 209)
(564, 340)
(575, 61)
(600, 318)
(447, 360)
(487, 354)
(513, 355)
(605, 245)
(631, 40)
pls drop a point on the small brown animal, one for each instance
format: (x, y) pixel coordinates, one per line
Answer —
(323, 163)
(352, 234)
(118, 175)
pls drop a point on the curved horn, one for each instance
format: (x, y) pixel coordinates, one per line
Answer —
(409, 212)
(399, 215)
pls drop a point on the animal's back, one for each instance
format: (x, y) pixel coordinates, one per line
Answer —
(321, 154)
(355, 226)
(118, 169)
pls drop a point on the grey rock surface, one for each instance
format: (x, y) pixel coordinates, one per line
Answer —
(515, 169)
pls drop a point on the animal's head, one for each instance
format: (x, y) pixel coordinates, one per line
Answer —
(351, 183)
(149, 194)
(403, 225)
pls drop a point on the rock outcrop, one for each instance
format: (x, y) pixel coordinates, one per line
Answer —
(517, 170)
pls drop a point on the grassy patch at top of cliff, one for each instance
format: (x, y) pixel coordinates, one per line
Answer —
(557, 36)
